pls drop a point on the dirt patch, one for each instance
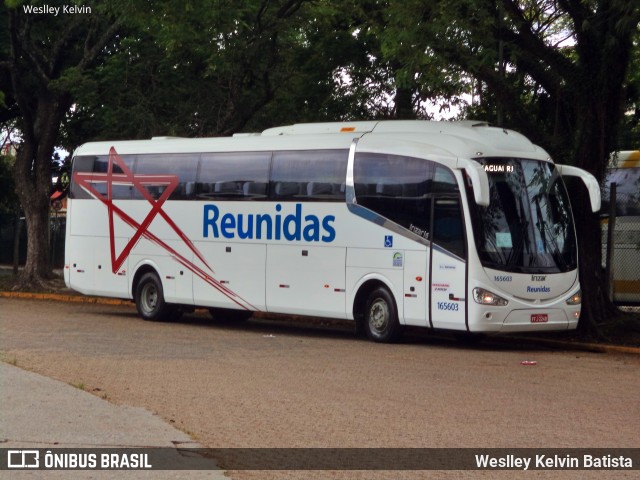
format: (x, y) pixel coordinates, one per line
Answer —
(9, 281)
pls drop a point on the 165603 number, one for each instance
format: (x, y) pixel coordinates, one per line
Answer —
(502, 278)
(447, 306)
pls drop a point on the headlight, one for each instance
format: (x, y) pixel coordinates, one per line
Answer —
(485, 297)
(575, 299)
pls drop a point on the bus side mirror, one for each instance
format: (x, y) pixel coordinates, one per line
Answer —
(589, 180)
(479, 180)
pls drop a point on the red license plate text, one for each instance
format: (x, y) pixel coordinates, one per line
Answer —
(539, 318)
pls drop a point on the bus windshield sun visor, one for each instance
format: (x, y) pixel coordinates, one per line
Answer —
(479, 180)
(589, 180)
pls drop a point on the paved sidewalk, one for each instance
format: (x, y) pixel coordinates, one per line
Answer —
(39, 412)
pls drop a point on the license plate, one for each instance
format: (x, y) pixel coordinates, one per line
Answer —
(539, 318)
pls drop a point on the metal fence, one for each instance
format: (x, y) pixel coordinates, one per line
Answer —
(10, 225)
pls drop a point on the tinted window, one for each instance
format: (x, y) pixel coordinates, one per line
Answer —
(119, 190)
(444, 181)
(397, 188)
(448, 226)
(183, 166)
(309, 175)
(99, 166)
(627, 182)
(83, 164)
(233, 176)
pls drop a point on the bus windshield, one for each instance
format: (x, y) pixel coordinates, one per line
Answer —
(528, 226)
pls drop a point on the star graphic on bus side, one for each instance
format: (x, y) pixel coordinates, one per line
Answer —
(141, 182)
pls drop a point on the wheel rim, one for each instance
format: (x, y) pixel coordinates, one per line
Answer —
(149, 298)
(379, 315)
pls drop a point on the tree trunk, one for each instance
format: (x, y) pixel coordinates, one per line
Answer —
(596, 127)
(404, 104)
(17, 230)
(35, 204)
(32, 175)
(597, 308)
(36, 268)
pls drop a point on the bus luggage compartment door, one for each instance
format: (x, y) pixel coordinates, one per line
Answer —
(416, 277)
(306, 280)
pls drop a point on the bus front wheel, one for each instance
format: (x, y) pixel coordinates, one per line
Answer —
(150, 299)
(381, 316)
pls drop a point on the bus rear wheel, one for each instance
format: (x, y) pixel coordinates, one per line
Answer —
(381, 316)
(150, 299)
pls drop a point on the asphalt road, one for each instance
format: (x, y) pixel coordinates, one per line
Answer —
(285, 384)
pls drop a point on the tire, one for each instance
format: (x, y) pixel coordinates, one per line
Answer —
(150, 299)
(381, 316)
(230, 315)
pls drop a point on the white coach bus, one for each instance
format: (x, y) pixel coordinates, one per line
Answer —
(445, 225)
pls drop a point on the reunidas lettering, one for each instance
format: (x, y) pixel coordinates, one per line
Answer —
(292, 227)
(542, 289)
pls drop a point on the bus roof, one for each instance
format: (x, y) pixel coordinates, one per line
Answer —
(461, 139)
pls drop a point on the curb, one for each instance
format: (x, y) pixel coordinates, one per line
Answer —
(57, 297)
(588, 347)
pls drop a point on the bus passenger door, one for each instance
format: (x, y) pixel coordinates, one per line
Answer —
(448, 265)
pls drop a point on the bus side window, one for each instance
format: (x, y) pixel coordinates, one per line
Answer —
(254, 189)
(444, 181)
(118, 191)
(183, 166)
(83, 164)
(309, 175)
(628, 192)
(397, 188)
(627, 182)
(448, 226)
(233, 176)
